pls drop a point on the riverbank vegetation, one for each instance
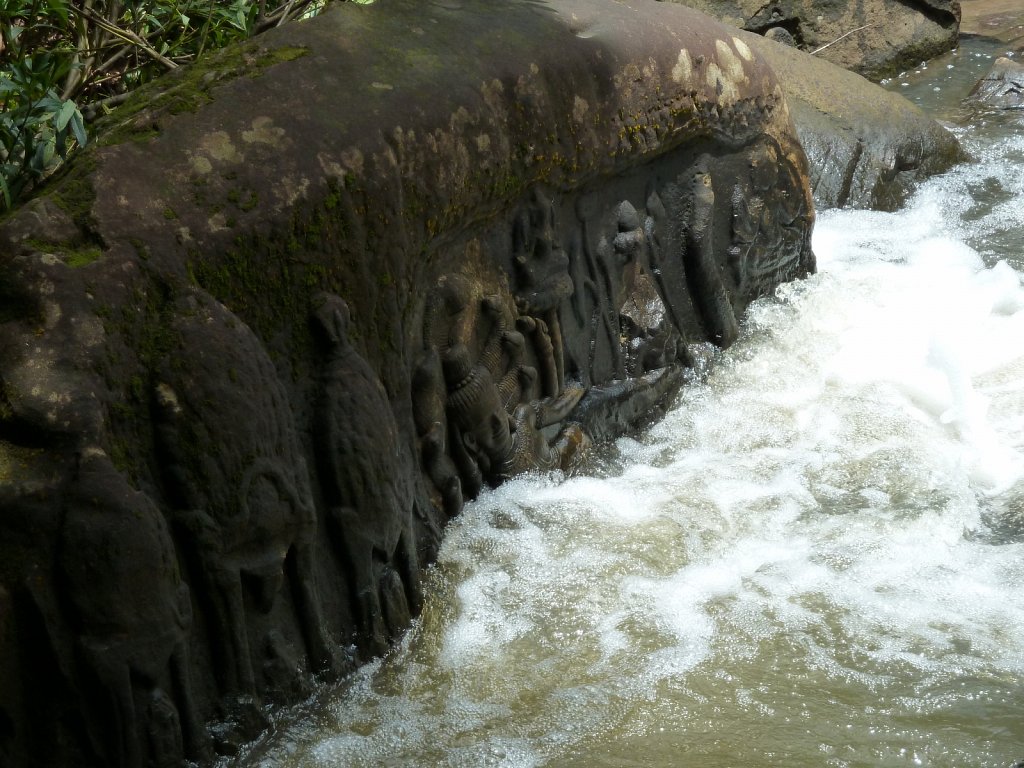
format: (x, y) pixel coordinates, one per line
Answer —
(63, 63)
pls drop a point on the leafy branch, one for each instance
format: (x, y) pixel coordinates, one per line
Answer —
(65, 62)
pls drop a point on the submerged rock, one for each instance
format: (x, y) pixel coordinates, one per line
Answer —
(1001, 88)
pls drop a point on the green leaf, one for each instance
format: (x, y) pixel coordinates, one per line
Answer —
(67, 111)
(50, 102)
(78, 128)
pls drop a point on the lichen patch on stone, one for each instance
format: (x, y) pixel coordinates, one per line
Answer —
(730, 65)
(724, 87)
(218, 146)
(683, 69)
(579, 109)
(743, 49)
(201, 165)
(265, 132)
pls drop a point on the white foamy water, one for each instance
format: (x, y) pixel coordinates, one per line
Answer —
(815, 559)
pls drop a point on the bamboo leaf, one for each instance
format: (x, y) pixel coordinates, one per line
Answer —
(78, 128)
(67, 111)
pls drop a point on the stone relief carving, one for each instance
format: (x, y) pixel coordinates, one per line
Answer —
(593, 303)
(239, 487)
(638, 285)
(768, 223)
(684, 255)
(366, 473)
(271, 474)
(542, 284)
(429, 395)
(133, 617)
(490, 409)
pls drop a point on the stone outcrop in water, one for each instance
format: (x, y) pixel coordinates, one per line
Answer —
(867, 146)
(875, 38)
(300, 303)
(1002, 87)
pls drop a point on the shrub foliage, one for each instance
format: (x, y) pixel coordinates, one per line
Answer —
(65, 62)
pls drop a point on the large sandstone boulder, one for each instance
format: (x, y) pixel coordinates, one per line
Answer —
(875, 38)
(867, 147)
(298, 303)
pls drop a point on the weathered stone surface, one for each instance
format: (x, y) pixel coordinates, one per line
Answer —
(297, 305)
(867, 147)
(1002, 87)
(1002, 19)
(875, 38)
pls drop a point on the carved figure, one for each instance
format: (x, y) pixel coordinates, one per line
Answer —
(665, 244)
(133, 615)
(476, 409)
(429, 394)
(233, 468)
(531, 449)
(768, 224)
(487, 442)
(602, 263)
(701, 261)
(367, 477)
(542, 271)
(681, 232)
(594, 306)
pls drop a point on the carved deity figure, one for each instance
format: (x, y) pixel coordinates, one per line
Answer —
(769, 222)
(492, 405)
(243, 507)
(684, 257)
(367, 475)
(133, 615)
(542, 282)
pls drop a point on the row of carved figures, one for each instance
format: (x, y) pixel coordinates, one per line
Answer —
(491, 398)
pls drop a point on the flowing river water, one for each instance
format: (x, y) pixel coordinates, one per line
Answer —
(815, 559)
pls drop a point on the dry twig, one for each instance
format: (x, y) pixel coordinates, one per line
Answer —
(858, 29)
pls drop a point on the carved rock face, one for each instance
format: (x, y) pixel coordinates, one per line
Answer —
(134, 617)
(305, 330)
(365, 473)
(239, 486)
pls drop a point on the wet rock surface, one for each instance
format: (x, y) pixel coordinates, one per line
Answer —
(1002, 88)
(867, 147)
(295, 307)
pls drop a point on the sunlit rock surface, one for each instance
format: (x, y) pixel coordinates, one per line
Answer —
(867, 147)
(1002, 87)
(875, 38)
